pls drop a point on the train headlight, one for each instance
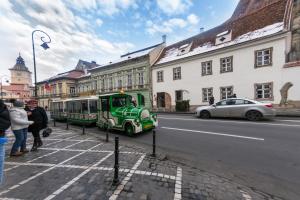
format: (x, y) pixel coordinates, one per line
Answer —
(145, 114)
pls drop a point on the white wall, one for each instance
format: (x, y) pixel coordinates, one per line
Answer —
(243, 77)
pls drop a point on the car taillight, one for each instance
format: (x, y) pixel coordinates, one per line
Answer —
(269, 105)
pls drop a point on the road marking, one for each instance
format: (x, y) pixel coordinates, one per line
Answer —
(288, 120)
(231, 121)
(178, 182)
(71, 182)
(43, 172)
(246, 195)
(119, 189)
(214, 133)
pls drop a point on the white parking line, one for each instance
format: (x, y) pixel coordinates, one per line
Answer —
(68, 184)
(119, 189)
(43, 172)
(178, 184)
(214, 133)
(245, 195)
(230, 121)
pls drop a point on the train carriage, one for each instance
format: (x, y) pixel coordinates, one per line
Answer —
(82, 111)
(118, 111)
(58, 110)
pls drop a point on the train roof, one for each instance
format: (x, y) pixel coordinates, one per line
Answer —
(111, 94)
(83, 98)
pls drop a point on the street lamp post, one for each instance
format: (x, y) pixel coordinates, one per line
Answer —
(45, 46)
(2, 85)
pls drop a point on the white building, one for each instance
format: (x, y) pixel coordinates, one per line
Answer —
(254, 54)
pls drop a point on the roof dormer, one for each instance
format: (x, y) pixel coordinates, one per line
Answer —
(183, 49)
(223, 37)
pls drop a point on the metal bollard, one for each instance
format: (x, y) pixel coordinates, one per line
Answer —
(83, 129)
(154, 144)
(67, 127)
(54, 122)
(116, 167)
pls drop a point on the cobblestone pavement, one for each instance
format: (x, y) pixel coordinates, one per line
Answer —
(75, 166)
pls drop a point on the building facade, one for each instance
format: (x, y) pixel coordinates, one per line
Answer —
(252, 55)
(131, 74)
(20, 85)
(63, 85)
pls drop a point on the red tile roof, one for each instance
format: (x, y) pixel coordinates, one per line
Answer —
(249, 15)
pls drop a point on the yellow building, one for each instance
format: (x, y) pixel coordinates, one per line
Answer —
(63, 85)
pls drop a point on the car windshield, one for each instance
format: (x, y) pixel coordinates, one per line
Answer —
(119, 101)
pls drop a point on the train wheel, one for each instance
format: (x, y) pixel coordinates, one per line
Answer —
(129, 129)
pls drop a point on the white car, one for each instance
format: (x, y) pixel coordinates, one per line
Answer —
(237, 107)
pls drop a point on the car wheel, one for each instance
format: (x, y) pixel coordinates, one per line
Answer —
(254, 115)
(204, 114)
(129, 130)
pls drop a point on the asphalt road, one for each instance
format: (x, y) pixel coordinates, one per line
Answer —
(263, 155)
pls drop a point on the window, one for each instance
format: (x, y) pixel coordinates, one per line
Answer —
(160, 76)
(129, 80)
(119, 101)
(264, 91)
(93, 106)
(226, 64)
(177, 73)
(226, 92)
(60, 88)
(72, 90)
(178, 95)
(120, 84)
(206, 68)
(263, 57)
(206, 94)
(141, 78)
(110, 83)
(102, 84)
(104, 104)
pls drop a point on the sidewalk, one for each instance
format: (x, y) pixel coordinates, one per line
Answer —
(75, 166)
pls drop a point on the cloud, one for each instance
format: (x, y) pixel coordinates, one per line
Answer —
(99, 22)
(193, 19)
(172, 7)
(172, 24)
(73, 37)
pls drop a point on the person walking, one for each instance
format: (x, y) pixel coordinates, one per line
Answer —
(19, 125)
(39, 116)
(211, 100)
(4, 118)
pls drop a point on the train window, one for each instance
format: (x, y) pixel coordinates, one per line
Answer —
(77, 107)
(104, 104)
(84, 106)
(93, 106)
(119, 101)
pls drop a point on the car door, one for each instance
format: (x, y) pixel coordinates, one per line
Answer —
(220, 109)
(236, 107)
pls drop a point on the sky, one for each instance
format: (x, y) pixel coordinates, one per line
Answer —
(98, 30)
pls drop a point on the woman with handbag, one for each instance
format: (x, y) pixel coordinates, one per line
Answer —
(39, 116)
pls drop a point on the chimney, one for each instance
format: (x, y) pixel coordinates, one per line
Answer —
(164, 38)
(201, 29)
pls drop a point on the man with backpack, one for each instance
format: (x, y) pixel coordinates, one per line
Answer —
(39, 116)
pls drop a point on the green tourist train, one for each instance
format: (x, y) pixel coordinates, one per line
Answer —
(115, 111)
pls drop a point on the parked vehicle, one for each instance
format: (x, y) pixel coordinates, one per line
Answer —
(82, 111)
(58, 110)
(237, 107)
(118, 111)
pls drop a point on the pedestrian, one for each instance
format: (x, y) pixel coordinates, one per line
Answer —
(19, 126)
(4, 118)
(39, 116)
(211, 100)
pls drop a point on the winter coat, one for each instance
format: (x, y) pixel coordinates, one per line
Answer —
(39, 116)
(19, 119)
(4, 119)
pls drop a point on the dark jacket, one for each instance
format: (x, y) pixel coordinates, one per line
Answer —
(39, 116)
(4, 119)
